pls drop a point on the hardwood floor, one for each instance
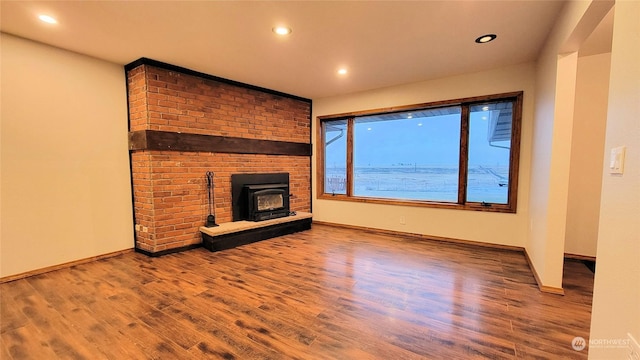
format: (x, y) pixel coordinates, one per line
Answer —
(326, 293)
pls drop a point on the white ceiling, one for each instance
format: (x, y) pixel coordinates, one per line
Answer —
(382, 43)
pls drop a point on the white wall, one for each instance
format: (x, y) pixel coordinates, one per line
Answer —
(587, 153)
(616, 299)
(65, 188)
(552, 137)
(496, 228)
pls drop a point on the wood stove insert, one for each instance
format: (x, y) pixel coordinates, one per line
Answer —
(258, 197)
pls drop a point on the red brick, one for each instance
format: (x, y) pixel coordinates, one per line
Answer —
(170, 194)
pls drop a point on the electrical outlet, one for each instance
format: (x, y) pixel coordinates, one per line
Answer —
(634, 348)
(145, 229)
(137, 227)
(403, 221)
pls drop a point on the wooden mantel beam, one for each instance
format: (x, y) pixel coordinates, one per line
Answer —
(174, 141)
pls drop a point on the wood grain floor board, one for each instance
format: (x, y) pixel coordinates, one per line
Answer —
(10, 300)
(4, 350)
(230, 327)
(326, 293)
(22, 344)
(72, 308)
(215, 335)
(56, 330)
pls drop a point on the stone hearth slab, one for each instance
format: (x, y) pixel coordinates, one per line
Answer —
(232, 234)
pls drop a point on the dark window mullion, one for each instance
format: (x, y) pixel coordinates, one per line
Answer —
(350, 135)
(464, 154)
(322, 163)
(514, 160)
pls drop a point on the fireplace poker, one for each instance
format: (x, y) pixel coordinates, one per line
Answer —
(211, 218)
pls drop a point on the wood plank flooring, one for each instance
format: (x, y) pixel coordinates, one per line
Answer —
(326, 293)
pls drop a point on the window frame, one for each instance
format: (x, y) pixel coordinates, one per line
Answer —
(461, 204)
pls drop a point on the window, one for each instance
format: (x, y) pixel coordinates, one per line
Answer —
(456, 154)
(335, 153)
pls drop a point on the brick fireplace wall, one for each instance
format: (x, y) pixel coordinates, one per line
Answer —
(169, 184)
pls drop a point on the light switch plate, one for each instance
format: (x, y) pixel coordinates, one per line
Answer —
(616, 162)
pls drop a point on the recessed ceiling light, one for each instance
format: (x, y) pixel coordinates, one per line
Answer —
(282, 30)
(48, 19)
(342, 71)
(486, 38)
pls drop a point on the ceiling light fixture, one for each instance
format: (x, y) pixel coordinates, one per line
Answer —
(342, 71)
(486, 38)
(48, 19)
(282, 30)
